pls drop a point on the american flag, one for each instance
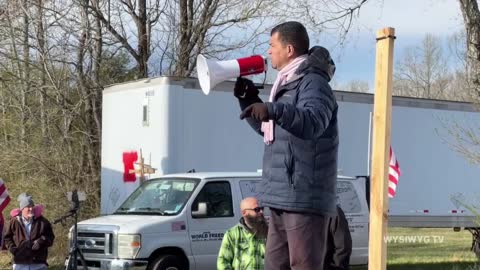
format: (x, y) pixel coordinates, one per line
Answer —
(393, 174)
(4, 197)
(178, 226)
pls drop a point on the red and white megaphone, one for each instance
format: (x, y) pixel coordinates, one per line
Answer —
(212, 72)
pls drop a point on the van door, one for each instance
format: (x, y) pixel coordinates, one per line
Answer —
(206, 233)
(351, 197)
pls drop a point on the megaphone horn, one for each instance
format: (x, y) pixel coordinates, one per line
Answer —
(212, 72)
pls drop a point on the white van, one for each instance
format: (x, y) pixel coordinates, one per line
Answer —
(178, 221)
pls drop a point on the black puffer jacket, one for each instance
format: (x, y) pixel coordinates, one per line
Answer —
(300, 166)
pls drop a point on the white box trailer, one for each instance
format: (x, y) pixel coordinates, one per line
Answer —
(178, 129)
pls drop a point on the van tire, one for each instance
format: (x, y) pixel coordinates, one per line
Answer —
(167, 262)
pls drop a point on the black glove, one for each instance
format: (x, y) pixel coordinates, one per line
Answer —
(245, 89)
(257, 111)
(36, 245)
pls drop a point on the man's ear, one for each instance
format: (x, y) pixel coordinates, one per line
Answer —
(290, 50)
(243, 212)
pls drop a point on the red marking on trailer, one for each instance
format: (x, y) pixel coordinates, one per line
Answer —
(129, 159)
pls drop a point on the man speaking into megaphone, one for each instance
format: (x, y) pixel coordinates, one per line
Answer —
(298, 124)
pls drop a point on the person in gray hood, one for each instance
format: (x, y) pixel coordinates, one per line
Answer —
(299, 128)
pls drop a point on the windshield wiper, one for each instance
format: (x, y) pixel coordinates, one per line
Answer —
(143, 210)
(151, 210)
(146, 208)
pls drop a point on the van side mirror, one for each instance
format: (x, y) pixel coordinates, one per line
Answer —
(201, 211)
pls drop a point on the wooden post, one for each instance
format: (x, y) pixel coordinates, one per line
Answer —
(144, 168)
(377, 246)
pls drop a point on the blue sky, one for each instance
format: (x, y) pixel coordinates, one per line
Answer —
(411, 20)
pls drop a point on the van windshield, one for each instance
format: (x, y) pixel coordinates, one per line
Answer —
(159, 197)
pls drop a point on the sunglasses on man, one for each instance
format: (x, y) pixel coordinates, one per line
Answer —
(256, 209)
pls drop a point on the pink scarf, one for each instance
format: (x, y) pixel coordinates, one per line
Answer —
(283, 76)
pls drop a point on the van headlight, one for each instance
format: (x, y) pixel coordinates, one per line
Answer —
(129, 245)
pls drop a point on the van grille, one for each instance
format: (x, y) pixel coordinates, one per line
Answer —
(95, 243)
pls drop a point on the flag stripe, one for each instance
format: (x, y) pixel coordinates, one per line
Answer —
(4, 203)
(393, 174)
(392, 180)
(4, 197)
(2, 188)
(392, 185)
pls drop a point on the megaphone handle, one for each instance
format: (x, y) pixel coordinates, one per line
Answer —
(264, 79)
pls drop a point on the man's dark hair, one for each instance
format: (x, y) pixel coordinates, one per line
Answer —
(295, 34)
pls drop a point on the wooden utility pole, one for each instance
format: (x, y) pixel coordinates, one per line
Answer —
(377, 246)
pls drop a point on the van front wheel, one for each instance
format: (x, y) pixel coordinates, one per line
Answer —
(167, 262)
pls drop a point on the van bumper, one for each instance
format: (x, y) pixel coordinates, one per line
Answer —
(359, 256)
(113, 264)
(125, 265)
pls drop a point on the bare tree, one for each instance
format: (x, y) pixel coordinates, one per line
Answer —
(143, 16)
(217, 27)
(179, 30)
(461, 86)
(26, 66)
(463, 136)
(336, 15)
(356, 86)
(423, 71)
(471, 18)
(203, 27)
(40, 37)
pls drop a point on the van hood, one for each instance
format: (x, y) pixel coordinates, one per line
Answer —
(133, 223)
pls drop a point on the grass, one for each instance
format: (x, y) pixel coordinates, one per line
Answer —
(428, 249)
(439, 249)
